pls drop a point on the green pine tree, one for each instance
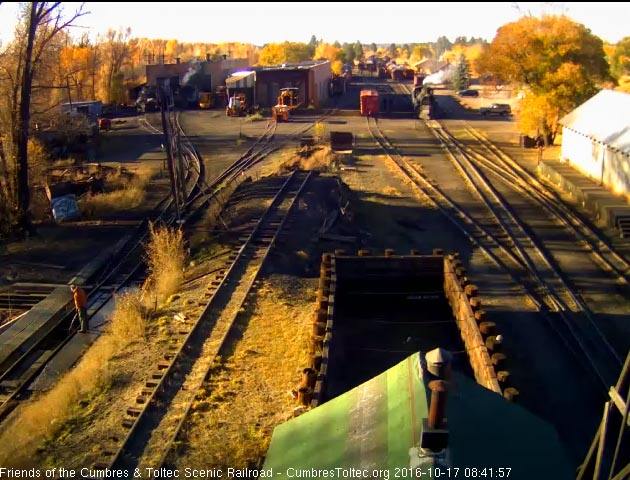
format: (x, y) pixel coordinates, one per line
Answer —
(461, 79)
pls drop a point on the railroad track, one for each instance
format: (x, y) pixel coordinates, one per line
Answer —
(27, 363)
(158, 417)
(127, 266)
(501, 235)
(522, 181)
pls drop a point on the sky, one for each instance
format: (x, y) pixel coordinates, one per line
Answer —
(382, 23)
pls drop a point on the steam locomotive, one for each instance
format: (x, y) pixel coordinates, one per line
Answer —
(424, 103)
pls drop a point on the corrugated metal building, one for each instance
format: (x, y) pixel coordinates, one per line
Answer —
(311, 78)
(242, 82)
(596, 139)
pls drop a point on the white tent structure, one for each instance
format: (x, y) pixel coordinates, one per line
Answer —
(596, 139)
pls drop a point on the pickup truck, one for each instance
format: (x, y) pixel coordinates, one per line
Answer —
(502, 109)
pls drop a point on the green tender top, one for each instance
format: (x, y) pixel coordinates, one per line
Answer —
(371, 429)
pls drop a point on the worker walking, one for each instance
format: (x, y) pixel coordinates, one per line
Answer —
(80, 302)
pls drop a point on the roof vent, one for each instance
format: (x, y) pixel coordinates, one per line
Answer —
(439, 363)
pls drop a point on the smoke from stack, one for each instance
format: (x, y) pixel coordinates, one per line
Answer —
(195, 67)
(441, 77)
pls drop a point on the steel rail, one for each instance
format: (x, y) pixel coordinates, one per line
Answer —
(589, 338)
(164, 387)
(170, 446)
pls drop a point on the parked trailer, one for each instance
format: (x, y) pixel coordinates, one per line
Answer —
(368, 102)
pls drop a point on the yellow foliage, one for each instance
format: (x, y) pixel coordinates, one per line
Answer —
(470, 52)
(336, 67)
(277, 53)
(172, 49)
(326, 51)
(320, 132)
(537, 114)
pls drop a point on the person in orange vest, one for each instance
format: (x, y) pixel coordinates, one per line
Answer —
(80, 302)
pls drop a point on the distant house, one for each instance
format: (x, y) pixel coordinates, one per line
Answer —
(428, 66)
(596, 139)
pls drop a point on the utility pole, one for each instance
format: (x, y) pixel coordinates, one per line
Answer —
(180, 168)
(168, 145)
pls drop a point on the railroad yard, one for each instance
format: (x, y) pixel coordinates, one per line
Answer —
(220, 366)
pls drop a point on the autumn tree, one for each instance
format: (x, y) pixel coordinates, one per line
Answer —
(420, 52)
(78, 65)
(326, 51)
(558, 63)
(115, 50)
(620, 59)
(278, 53)
(40, 24)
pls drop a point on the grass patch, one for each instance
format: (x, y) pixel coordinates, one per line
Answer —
(166, 260)
(254, 117)
(128, 192)
(54, 414)
(67, 408)
(321, 158)
(128, 320)
(319, 132)
(391, 191)
(248, 393)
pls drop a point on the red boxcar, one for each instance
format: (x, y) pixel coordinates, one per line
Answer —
(369, 102)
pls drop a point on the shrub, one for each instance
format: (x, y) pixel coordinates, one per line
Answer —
(166, 260)
(319, 132)
(128, 320)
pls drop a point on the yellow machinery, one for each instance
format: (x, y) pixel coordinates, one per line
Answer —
(287, 100)
(206, 100)
(280, 113)
(237, 106)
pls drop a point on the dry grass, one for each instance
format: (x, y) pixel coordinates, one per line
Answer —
(234, 416)
(128, 320)
(45, 418)
(391, 191)
(166, 260)
(130, 192)
(214, 209)
(255, 117)
(319, 132)
(321, 158)
(50, 417)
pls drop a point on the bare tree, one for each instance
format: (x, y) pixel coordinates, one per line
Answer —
(43, 21)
